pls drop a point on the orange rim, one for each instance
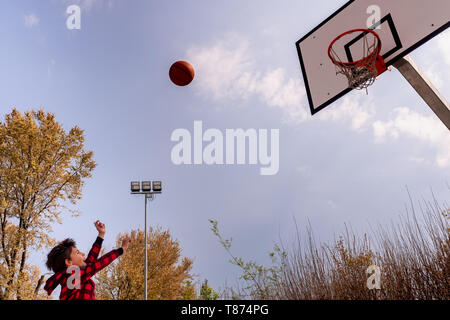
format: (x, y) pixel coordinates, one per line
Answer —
(370, 57)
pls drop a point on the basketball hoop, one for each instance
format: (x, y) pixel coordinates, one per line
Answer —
(363, 72)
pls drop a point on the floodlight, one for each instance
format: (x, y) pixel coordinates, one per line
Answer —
(146, 186)
(157, 186)
(135, 186)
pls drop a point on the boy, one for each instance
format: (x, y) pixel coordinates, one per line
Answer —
(66, 258)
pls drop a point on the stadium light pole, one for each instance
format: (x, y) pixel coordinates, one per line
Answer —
(148, 190)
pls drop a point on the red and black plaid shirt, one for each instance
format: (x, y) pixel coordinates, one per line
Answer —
(86, 289)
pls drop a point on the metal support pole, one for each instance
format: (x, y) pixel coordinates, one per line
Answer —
(424, 88)
(145, 263)
(148, 195)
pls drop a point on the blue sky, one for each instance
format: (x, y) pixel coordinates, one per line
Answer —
(349, 163)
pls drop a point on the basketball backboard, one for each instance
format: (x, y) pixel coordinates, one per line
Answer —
(402, 25)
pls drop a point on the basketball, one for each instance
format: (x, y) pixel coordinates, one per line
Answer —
(181, 73)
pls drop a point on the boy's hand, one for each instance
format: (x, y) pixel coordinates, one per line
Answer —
(125, 242)
(100, 228)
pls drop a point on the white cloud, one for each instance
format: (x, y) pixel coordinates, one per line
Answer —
(287, 94)
(433, 73)
(31, 20)
(443, 42)
(355, 108)
(228, 70)
(223, 70)
(412, 124)
(434, 59)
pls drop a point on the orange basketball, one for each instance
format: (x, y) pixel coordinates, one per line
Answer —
(181, 73)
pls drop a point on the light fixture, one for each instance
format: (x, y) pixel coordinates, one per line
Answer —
(146, 186)
(157, 186)
(135, 186)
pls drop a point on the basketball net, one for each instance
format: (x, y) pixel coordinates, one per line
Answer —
(362, 73)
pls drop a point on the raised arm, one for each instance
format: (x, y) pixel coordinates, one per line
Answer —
(91, 269)
(95, 250)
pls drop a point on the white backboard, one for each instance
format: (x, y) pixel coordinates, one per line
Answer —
(403, 25)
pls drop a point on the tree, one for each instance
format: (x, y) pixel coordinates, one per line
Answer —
(167, 278)
(207, 293)
(189, 291)
(41, 166)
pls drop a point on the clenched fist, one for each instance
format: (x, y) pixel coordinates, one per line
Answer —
(100, 228)
(125, 242)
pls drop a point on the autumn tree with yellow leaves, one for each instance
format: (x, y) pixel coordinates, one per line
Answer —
(168, 273)
(41, 167)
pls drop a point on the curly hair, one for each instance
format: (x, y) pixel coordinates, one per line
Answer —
(56, 259)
